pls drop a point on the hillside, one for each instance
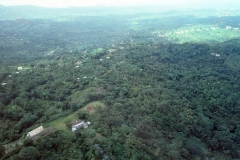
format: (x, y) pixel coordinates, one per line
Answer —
(157, 94)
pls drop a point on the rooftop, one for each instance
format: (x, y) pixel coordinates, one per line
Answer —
(77, 122)
(35, 131)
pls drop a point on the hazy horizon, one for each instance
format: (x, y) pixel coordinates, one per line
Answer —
(171, 3)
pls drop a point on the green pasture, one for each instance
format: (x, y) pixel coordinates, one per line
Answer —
(60, 123)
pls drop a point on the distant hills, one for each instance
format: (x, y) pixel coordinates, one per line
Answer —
(32, 12)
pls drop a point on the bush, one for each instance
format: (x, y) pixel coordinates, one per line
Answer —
(28, 142)
(29, 153)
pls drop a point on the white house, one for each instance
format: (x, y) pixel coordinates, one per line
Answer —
(228, 27)
(19, 68)
(35, 132)
(79, 124)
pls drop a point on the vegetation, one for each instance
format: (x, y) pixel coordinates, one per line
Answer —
(156, 97)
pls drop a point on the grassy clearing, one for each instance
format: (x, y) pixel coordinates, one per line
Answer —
(200, 33)
(60, 123)
(79, 96)
(13, 145)
(92, 107)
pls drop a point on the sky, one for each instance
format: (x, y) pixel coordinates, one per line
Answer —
(69, 3)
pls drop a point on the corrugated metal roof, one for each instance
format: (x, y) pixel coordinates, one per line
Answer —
(77, 122)
(35, 131)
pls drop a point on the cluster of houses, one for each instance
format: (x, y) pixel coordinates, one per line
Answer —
(18, 69)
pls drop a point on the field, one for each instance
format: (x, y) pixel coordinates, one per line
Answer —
(60, 123)
(202, 33)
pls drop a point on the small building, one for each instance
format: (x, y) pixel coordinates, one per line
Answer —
(228, 27)
(19, 68)
(34, 133)
(79, 124)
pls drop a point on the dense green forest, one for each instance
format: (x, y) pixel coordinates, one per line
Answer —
(159, 96)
